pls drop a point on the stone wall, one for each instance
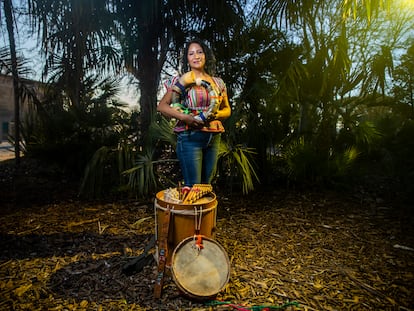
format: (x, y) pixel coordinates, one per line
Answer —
(7, 105)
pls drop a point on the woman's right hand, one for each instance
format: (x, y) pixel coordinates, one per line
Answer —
(191, 121)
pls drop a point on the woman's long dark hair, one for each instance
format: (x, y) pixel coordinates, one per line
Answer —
(210, 66)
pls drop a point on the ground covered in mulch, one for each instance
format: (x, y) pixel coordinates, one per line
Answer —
(294, 250)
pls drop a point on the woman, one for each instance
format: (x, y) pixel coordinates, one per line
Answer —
(198, 128)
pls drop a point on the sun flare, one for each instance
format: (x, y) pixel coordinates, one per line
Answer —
(406, 4)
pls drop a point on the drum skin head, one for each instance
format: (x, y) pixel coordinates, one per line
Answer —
(200, 273)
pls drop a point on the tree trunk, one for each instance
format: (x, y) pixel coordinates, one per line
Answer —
(148, 76)
(9, 21)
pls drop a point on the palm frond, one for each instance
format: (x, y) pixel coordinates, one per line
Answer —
(239, 163)
(344, 161)
(162, 129)
(92, 182)
(142, 177)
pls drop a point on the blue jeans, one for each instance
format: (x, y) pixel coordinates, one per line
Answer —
(197, 152)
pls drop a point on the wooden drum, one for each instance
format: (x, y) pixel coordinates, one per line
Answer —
(184, 219)
(201, 273)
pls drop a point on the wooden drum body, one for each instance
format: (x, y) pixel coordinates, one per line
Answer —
(184, 220)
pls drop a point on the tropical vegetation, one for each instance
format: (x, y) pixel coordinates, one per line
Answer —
(321, 91)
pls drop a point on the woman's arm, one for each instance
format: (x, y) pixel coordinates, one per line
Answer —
(225, 110)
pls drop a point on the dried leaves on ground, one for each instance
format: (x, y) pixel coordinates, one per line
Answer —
(316, 251)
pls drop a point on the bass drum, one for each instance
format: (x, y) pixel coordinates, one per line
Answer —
(200, 273)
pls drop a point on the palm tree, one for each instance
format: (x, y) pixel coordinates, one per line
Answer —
(76, 39)
(151, 33)
(292, 11)
(339, 56)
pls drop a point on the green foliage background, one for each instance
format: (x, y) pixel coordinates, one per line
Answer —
(322, 99)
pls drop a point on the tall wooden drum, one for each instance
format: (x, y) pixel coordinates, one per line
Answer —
(185, 219)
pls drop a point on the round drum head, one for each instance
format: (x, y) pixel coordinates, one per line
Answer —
(200, 273)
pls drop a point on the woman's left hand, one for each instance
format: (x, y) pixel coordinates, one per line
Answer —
(212, 116)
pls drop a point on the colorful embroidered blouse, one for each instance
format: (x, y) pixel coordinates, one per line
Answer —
(198, 99)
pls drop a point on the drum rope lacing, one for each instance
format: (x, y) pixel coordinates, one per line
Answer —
(198, 241)
(187, 212)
